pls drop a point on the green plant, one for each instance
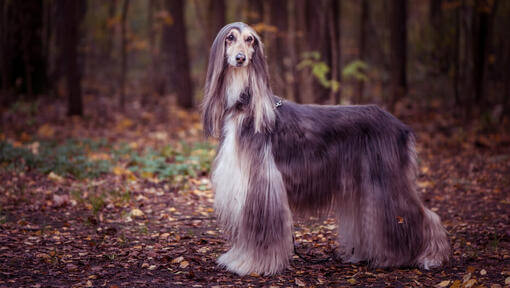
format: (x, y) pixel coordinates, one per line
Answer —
(355, 70)
(319, 69)
(68, 158)
(172, 163)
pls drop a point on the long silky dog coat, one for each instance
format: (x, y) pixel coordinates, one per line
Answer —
(275, 156)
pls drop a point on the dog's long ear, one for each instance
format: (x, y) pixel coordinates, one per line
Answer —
(262, 97)
(213, 105)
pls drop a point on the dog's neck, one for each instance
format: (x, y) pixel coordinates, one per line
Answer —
(237, 80)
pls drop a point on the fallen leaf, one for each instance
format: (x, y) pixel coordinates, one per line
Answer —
(178, 259)
(46, 131)
(60, 200)
(470, 283)
(507, 281)
(299, 282)
(184, 264)
(136, 212)
(444, 283)
(483, 272)
(352, 281)
(55, 177)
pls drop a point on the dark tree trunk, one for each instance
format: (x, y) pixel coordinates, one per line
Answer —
(337, 16)
(319, 40)
(3, 49)
(435, 19)
(122, 99)
(482, 31)
(398, 50)
(277, 44)
(112, 8)
(22, 47)
(334, 44)
(215, 18)
(365, 12)
(73, 12)
(175, 51)
(457, 53)
(255, 11)
(299, 31)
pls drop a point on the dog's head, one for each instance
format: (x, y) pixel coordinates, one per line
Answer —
(240, 44)
(237, 46)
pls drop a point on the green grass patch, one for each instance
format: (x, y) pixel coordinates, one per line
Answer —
(170, 163)
(66, 159)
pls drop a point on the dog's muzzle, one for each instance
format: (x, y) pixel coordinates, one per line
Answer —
(240, 58)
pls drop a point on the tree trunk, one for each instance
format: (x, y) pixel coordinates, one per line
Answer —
(299, 31)
(482, 29)
(122, 99)
(398, 50)
(3, 47)
(22, 47)
(335, 51)
(277, 44)
(319, 39)
(175, 51)
(457, 53)
(255, 11)
(215, 18)
(365, 12)
(435, 19)
(73, 12)
(337, 16)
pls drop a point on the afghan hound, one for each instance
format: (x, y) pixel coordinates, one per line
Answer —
(276, 156)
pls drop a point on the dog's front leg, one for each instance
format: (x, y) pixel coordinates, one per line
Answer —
(263, 244)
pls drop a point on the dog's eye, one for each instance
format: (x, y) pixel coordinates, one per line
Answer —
(249, 39)
(230, 37)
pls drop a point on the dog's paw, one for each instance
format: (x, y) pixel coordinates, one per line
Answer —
(242, 263)
(233, 262)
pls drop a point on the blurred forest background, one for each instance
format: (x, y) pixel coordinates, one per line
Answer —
(451, 54)
(104, 171)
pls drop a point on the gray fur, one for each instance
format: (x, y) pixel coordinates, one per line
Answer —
(355, 161)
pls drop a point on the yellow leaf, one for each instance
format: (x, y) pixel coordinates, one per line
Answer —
(299, 282)
(425, 184)
(137, 212)
(46, 131)
(470, 283)
(352, 281)
(444, 283)
(98, 156)
(55, 177)
(147, 175)
(123, 124)
(262, 27)
(25, 137)
(184, 264)
(178, 259)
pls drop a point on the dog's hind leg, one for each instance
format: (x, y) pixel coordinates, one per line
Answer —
(349, 231)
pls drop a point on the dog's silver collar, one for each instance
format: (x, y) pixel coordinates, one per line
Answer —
(278, 103)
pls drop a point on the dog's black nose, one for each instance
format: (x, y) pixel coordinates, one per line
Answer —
(240, 58)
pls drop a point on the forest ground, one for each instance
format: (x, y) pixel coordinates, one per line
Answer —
(102, 215)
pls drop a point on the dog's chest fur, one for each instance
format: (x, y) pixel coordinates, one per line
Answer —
(236, 83)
